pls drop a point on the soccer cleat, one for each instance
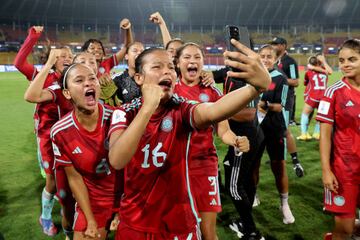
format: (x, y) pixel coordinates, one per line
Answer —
(256, 201)
(253, 236)
(316, 136)
(304, 137)
(48, 227)
(238, 228)
(328, 236)
(288, 217)
(299, 171)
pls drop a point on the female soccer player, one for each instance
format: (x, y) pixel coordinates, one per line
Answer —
(339, 114)
(127, 89)
(96, 48)
(316, 82)
(81, 149)
(153, 133)
(203, 160)
(46, 114)
(274, 127)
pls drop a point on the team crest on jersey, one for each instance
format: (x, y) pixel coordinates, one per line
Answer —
(101, 70)
(167, 124)
(339, 200)
(118, 116)
(204, 97)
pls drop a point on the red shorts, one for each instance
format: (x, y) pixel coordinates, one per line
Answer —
(45, 153)
(205, 190)
(63, 191)
(344, 202)
(103, 217)
(124, 232)
(312, 102)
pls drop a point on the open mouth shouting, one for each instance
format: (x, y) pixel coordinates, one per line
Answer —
(90, 97)
(165, 84)
(192, 71)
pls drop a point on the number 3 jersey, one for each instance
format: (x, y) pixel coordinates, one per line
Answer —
(87, 152)
(157, 196)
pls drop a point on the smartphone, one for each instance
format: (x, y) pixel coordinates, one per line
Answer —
(240, 34)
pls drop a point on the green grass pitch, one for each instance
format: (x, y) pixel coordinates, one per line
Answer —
(21, 183)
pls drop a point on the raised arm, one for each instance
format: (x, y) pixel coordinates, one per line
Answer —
(80, 191)
(123, 143)
(20, 61)
(228, 137)
(125, 26)
(35, 92)
(322, 59)
(157, 18)
(258, 80)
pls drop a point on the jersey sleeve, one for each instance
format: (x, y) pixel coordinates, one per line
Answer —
(326, 109)
(61, 158)
(306, 79)
(281, 92)
(21, 62)
(55, 90)
(187, 112)
(293, 69)
(120, 120)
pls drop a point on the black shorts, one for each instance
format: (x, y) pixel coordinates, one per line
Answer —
(275, 143)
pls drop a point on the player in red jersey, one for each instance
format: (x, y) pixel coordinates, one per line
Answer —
(96, 48)
(81, 149)
(153, 133)
(46, 114)
(316, 83)
(339, 114)
(203, 160)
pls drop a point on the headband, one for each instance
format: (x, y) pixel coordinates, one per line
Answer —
(66, 72)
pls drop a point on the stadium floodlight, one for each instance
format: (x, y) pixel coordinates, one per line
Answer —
(114, 48)
(318, 48)
(208, 48)
(220, 48)
(331, 49)
(256, 48)
(292, 49)
(305, 48)
(53, 47)
(40, 46)
(78, 47)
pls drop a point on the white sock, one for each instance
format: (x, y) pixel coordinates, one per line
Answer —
(284, 198)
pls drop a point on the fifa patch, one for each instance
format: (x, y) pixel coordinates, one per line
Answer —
(167, 124)
(118, 116)
(56, 150)
(324, 107)
(204, 97)
(339, 200)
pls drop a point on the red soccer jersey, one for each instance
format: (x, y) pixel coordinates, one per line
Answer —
(64, 105)
(203, 158)
(87, 152)
(317, 83)
(340, 107)
(106, 65)
(157, 196)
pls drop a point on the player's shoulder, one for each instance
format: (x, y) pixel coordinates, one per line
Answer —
(278, 76)
(63, 124)
(335, 88)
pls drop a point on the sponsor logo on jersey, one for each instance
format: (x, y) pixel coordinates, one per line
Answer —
(77, 150)
(213, 202)
(339, 200)
(324, 107)
(193, 102)
(204, 97)
(125, 91)
(118, 116)
(349, 104)
(167, 124)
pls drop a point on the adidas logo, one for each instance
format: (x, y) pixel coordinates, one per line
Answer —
(125, 91)
(213, 202)
(77, 150)
(349, 104)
